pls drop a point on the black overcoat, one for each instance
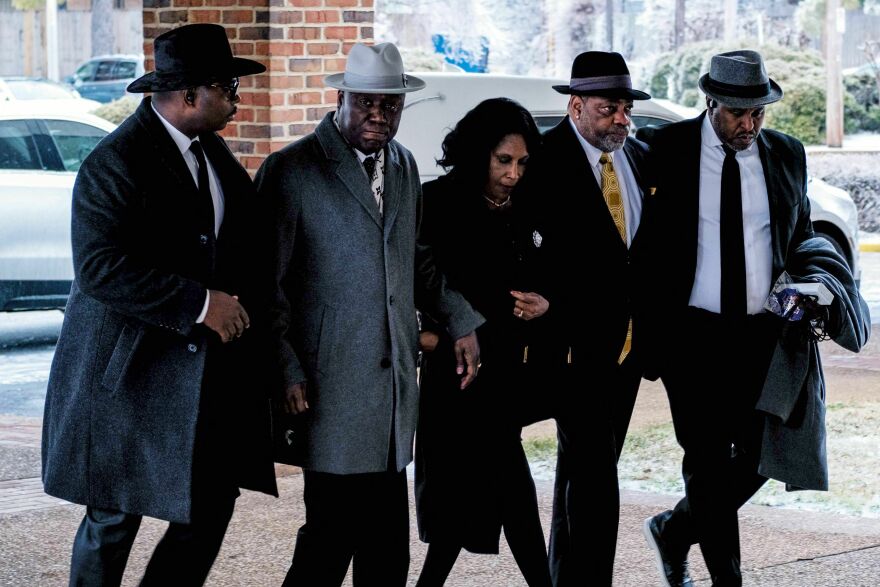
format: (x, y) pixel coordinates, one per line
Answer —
(129, 372)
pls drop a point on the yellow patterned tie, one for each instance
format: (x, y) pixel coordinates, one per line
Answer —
(611, 193)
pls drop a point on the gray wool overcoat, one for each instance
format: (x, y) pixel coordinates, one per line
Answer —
(348, 281)
(126, 384)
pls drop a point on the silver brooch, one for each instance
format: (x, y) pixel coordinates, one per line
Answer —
(537, 238)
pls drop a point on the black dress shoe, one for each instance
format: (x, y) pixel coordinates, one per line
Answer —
(671, 562)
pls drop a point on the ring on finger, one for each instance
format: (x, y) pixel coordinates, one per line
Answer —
(520, 315)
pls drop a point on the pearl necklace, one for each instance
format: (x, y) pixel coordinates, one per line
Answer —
(496, 204)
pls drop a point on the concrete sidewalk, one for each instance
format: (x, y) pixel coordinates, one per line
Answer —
(781, 547)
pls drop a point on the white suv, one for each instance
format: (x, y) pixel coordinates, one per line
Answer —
(431, 112)
(40, 153)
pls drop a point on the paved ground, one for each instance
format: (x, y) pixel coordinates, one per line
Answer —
(781, 547)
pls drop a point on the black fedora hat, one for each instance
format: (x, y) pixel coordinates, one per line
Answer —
(193, 55)
(597, 73)
(738, 79)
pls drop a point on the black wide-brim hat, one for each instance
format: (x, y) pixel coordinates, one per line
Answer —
(597, 73)
(193, 55)
(738, 79)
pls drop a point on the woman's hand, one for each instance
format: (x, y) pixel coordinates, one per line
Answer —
(529, 305)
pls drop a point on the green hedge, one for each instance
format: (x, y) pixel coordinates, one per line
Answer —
(801, 73)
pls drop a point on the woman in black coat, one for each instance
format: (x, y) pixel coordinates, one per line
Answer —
(472, 476)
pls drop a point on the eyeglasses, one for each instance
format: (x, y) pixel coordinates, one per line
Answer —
(365, 103)
(230, 88)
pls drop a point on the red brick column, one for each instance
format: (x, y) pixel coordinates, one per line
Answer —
(299, 41)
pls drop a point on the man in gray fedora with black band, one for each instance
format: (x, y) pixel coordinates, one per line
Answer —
(730, 209)
(150, 409)
(344, 205)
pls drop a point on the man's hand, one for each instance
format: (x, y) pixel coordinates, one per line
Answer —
(529, 305)
(294, 401)
(428, 341)
(467, 352)
(226, 316)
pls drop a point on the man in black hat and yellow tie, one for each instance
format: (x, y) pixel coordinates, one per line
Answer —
(583, 196)
(730, 209)
(150, 411)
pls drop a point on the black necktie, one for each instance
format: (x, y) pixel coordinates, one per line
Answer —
(204, 183)
(370, 166)
(733, 258)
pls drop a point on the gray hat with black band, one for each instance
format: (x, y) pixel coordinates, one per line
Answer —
(738, 79)
(376, 69)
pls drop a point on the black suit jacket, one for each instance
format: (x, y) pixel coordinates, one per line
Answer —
(670, 218)
(565, 207)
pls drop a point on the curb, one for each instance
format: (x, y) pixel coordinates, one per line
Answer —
(869, 247)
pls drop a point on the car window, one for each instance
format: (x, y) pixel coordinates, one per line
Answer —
(105, 71)
(74, 141)
(545, 123)
(643, 121)
(124, 70)
(17, 147)
(86, 71)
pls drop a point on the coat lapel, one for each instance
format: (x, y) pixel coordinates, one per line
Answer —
(166, 148)
(773, 175)
(393, 179)
(348, 169)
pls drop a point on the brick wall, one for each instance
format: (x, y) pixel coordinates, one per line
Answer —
(299, 42)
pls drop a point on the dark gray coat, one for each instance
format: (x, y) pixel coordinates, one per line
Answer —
(127, 378)
(793, 448)
(344, 313)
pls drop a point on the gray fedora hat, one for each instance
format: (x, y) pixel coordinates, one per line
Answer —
(738, 79)
(374, 70)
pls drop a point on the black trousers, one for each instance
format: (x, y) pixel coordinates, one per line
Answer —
(363, 517)
(184, 555)
(592, 416)
(714, 377)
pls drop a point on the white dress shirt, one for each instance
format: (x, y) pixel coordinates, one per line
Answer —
(706, 292)
(630, 192)
(183, 143)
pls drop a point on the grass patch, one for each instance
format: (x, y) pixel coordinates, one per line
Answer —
(651, 461)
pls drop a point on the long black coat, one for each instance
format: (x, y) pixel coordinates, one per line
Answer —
(129, 373)
(581, 240)
(468, 450)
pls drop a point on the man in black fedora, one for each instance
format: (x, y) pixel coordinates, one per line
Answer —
(345, 204)
(150, 410)
(731, 208)
(583, 195)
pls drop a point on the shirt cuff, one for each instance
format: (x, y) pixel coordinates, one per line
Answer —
(204, 313)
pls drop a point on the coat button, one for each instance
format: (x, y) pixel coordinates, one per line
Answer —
(391, 300)
(385, 363)
(192, 348)
(203, 239)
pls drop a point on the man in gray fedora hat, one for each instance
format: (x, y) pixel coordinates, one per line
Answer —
(730, 208)
(150, 410)
(344, 204)
(583, 195)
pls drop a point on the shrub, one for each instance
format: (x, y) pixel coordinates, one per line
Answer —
(118, 110)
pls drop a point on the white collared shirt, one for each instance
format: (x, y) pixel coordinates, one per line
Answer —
(183, 143)
(706, 292)
(630, 192)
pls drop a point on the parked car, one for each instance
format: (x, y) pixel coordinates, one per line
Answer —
(104, 78)
(40, 153)
(43, 94)
(431, 112)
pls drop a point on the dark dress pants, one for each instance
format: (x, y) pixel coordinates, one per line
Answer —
(713, 380)
(364, 517)
(184, 555)
(592, 416)
(186, 552)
